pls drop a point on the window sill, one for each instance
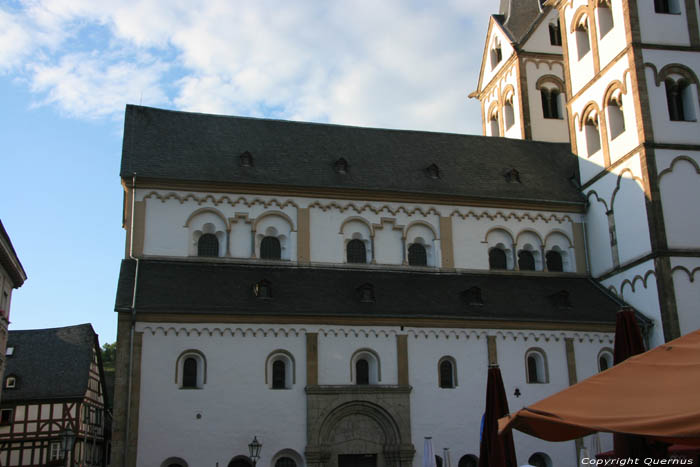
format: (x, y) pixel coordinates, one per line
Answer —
(190, 389)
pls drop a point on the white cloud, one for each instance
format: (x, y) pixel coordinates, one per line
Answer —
(391, 63)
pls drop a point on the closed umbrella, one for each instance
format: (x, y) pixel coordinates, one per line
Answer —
(428, 454)
(628, 343)
(496, 451)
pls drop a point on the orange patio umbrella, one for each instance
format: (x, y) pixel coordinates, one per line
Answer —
(654, 394)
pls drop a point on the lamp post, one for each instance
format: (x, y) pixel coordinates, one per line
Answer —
(254, 448)
(67, 439)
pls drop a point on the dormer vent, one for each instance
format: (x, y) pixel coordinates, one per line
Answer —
(512, 176)
(341, 166)
(472, 296)
(561, 299)
(246, 159)
(263, 289)
(365, 293)
(433, 171)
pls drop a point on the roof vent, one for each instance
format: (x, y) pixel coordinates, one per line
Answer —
(433, 171)
(472, 296)
(561, 299)
(365, 293)
(341, 166)
(263, 290)
(246, 159)
(512, 175)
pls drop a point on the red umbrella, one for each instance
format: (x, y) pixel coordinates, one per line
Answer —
(628, 343)
(496, 451)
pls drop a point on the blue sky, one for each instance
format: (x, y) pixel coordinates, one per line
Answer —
(68, 68)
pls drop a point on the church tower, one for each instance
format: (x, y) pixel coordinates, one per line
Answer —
(521, 83)
(632, 85)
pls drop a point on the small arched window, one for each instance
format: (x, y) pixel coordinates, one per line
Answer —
(285, 462)
(270, 248)
(496, 53)
(540, 459)
(605, 360)
(583, 42)
(550, 102)
(666, 6)
(554, 261)
(278, 375)
(592, 133)
(554, 35)
(208, 245)
(508, 112)
(536, 367)
(417, 255)
(605, 18)
(189, 373)
(470, 460)
(526, 260)
(356, 251)
(361, 371)
(679, 98)
(497, 258)
(495, 129)
(174, 462)
(447, 373)
(616, 119)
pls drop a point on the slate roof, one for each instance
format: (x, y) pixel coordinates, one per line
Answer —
(519, 16)
(183, 146)
(50, 363)
(172, 286)
(9, 260)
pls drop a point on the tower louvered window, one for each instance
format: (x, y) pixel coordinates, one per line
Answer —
(356, 251)
(417, 255)
(550, 103)
(208, 245)
(270, 248)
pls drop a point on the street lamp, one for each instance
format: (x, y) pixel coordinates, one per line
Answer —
(254, 448)
(67, 439)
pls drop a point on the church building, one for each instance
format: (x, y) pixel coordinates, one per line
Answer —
(338, 292)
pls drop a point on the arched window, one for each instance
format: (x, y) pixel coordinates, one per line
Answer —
(666, 6)
(496, 53)
(679, 97)
(592, 133)
(540, 459)
(495, 129)
(417, 255)
(605, 360)
(550, 102)
(279, 370)
(447, 372)
(189, 373)
(605, 18)
(497, 259)
(526, 260)
(356, 251)
(616, 119)
(208, 245)
(278, 375)
(583, 42)
(554, 35)
(191, 370)
(270, 248)
(361, 371)
(240, 461)
(554, 261)
(469, 460)
(285, 462)
(536, 366)
(174, 462)
(508, 113)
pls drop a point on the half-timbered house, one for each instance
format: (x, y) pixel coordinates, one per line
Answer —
(53, 384)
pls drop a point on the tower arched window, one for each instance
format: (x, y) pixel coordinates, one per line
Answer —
(495, 129)
(417, 255)
(555, 33)
(605, 18)
(189, 373)
(666, 6)
(270, 248)
(208, 245)
(496, 53)
(285, 462)
(279, 377)
(592, 133)
(679, 97)
(583, 42)
(550, 102)
(616, 118)
(356, 251)
(526, 260)
(470, 460)
(554, 261)
(362, 371)
(497, 259)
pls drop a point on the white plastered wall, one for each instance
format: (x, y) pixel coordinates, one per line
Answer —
(679, 185)
(660, 28)
(539, 39)
(507, 85)
(686, 284)
(581, 68)
(615, 40)
(546, 129)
